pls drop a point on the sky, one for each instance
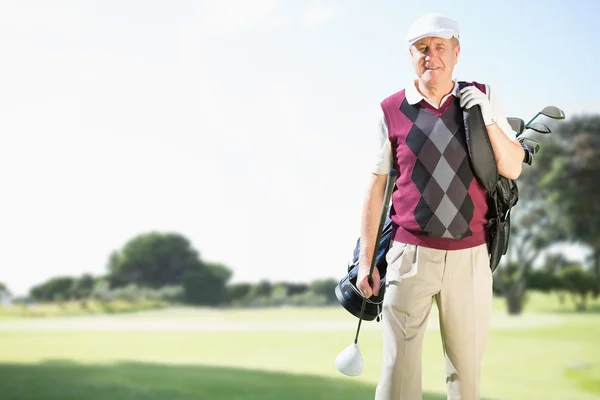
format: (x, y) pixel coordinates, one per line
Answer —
(248, 127)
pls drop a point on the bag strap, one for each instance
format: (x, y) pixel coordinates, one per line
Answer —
(480, 147)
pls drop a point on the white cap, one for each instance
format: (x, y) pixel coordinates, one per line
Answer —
(432, 24)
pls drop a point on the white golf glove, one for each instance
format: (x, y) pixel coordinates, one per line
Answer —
(471, 96)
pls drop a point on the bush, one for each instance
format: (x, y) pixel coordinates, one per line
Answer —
(310, 299)
(580, 283)
(543, 280)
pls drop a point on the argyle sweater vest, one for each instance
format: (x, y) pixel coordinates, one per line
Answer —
(437, 201)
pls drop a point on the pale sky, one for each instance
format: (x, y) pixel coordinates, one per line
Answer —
(248, 126)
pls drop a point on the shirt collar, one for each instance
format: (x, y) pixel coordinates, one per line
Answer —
(413, 96)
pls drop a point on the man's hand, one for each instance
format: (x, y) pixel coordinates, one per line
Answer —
(362, 282)
(508, 153)
(471, 96)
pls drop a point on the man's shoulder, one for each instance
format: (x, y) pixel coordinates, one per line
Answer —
(396, 97)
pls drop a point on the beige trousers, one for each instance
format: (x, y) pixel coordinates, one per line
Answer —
(461, 282)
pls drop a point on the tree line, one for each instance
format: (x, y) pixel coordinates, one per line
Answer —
(165, 266)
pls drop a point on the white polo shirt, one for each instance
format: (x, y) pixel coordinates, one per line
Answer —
(383, 158)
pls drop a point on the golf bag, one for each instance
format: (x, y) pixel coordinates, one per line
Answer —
(346, 291)
(503, 194)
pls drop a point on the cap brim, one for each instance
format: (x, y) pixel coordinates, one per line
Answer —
(444, 34)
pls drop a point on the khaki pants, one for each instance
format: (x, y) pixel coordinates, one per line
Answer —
(461, 282)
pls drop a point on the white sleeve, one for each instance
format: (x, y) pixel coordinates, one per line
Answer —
(498, 112)
(383, 154)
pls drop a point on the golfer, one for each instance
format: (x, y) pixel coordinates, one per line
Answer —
(438, 211)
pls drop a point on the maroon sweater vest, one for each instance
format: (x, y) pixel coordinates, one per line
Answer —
(437, 201)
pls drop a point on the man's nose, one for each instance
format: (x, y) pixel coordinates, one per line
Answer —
(429, 54)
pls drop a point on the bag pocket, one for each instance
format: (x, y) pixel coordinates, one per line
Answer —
(496, 241)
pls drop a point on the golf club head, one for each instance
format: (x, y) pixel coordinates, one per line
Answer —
(531, 148)
(539, 127)
(349, 362)
(553, 112)
(533, 144)
(517, 124)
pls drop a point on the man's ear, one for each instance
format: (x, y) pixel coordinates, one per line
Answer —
(457, 52)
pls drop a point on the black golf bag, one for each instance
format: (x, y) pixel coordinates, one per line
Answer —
(503, 193)
(347, 293)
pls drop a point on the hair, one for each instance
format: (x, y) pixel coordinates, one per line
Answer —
(455, 42)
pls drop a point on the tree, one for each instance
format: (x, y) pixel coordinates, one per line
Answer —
(570, 166)
(101, 292)
(4, 292)
(293, 289)
(536, 223)
(156, 260)
(579, 283)
(554, 264)
(263, 288)
(237, 292)
(325, 287)
(532, 231)
(82, 287)
(543, 280)
(206, 286)
(153, 260)
(57, 288)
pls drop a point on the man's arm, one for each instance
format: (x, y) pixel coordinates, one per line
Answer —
(371, 211)
(371, 214)
(508, 151)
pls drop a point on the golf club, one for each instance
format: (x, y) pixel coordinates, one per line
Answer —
(539, 127)
(517, 124)
(349, 361)
(550, 112)
(530, 142)
(531, 146)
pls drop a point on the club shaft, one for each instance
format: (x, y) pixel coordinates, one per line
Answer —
(391, 181)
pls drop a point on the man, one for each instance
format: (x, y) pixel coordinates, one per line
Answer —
(438, 211)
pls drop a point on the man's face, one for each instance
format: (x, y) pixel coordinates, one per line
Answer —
(434, 59)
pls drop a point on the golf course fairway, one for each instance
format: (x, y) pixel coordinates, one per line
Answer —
(287, 353)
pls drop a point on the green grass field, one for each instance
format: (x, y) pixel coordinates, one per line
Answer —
(78, 308)
(279, 354)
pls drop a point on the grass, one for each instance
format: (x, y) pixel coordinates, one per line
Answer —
(534, 356)
(75, 308)
(60, 380)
